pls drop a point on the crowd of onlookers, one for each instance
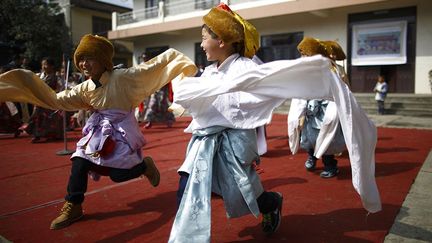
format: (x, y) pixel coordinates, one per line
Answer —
(40, 123)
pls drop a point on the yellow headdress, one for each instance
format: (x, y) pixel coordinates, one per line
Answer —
(97, 47)
(231, 28)
(310, 46)
(334, 50)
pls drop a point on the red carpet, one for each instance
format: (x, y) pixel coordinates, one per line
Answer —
(33, 182)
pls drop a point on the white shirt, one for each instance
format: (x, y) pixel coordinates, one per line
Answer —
(381, 91)
(233, 110)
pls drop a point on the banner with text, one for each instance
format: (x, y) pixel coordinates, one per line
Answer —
(379, 44)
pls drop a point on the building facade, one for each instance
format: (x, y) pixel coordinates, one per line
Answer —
(94, 17)
(389, 37)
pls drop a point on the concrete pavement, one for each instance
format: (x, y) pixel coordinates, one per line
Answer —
(402, 121)
(414, 220)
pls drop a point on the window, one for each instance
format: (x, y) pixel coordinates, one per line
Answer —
(151, 3)
(152, 7)
(280, 46)
(205, 4)
(101, 26)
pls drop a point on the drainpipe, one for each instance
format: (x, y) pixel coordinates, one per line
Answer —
(430, 79)
(114, 20)
(161, 12)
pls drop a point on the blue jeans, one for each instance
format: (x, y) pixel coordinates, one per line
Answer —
(380, 107)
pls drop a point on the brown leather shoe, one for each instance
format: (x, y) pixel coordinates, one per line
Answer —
(68, 214)
(151, 172)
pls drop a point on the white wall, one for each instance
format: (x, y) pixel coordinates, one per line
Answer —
(328, 24)
(424, 47)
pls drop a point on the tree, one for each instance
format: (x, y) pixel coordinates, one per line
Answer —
(34, 28)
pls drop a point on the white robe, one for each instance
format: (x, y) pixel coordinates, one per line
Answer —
(326, 134)
(265, 87)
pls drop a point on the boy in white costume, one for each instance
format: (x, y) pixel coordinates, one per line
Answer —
(219, 158)
(321, 135)
(257, 92)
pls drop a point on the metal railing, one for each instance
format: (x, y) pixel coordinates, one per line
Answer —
(174, 7)
(232, 2)
(185, 6)
(138, 15)
(171, 8)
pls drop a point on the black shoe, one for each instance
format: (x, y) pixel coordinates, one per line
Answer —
(329, 173)
(271, 221)
(310, 164)
(36, 140)
(17, 133)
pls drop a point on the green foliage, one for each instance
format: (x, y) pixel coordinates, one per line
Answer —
(34, 29)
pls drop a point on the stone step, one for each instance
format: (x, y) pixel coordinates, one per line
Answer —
(395, 100)
(398, 104)
(404, 98)
(372, 110)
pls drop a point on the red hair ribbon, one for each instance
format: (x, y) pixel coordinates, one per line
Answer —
(224, 7)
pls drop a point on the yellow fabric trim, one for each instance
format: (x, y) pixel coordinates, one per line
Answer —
(251, 37)
(231, 27)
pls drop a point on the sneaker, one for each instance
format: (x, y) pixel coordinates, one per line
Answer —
(271, 221)
(310, 164)
(329, 173)
(151, 172)
(68, 214)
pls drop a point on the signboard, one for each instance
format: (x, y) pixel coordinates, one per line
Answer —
(379, 44)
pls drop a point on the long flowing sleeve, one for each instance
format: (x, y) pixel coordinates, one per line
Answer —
(296, 111)
(307, 78)
(21, 85)
(143, 80)
(121, 89)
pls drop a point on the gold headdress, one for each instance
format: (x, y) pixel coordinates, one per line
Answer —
(310, 46)
(334, 50)
(231, 28)
(97, 47)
